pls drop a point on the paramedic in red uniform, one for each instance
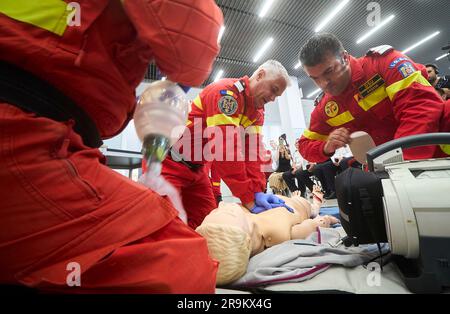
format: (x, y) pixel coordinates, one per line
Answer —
(384, 93)
(215, 182)
(220, 110)
(67, 221)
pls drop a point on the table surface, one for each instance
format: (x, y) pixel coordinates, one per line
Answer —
(122, 159)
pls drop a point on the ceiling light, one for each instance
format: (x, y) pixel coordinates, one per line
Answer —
(218, 75)
(375, 29)
(299, 64)
(443, 56)
(331, 15)
(420, 42)
(219, 38)
(263, 49)
(163, 78)
(265, 8)
(314, 93)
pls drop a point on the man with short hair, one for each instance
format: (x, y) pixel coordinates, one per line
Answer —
(435, 80)
(384, 93)
(217, 112)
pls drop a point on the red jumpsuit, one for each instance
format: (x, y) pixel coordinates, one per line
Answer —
(388, 97)
(59, 202)
(218, 113)
(215, 181)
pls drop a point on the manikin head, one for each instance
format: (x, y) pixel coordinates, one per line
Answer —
(326, 62)
(268, 82)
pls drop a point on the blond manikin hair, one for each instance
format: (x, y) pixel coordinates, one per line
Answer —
(229, 245)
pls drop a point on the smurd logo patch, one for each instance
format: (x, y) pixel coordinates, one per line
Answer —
(331, 109)
(228, 105)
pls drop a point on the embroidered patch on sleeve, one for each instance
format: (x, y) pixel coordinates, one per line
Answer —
(406, 69)
(228, 105)
(331, 109)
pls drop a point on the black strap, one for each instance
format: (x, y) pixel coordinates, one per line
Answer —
(178, 158)
(28, 92)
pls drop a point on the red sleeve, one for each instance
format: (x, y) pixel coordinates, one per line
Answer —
(256, 154)
(226, 141)
(416, 105)
(313, 140)
(182, 35)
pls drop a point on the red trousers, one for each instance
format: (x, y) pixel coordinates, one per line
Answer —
(194, 187)
(60, 204)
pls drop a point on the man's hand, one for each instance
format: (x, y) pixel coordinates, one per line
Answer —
(337, 139)
(265, 202)
(311, 167)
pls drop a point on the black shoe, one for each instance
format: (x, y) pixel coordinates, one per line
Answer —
(331, 196)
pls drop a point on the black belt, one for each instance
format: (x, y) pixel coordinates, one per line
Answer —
(178, 158)
(28, 92)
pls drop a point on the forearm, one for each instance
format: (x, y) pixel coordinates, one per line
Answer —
(312, 150)
(305, 229)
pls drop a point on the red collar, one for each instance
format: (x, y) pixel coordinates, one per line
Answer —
(357, 70)
(245, 81)
(248, 93)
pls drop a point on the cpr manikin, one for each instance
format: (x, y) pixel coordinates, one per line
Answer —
(234, 234)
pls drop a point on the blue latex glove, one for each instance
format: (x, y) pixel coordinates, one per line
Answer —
(265, 202)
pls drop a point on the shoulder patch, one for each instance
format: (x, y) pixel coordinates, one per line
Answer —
(228, 105)
(331, 109)
(406, 69)
(380, 50)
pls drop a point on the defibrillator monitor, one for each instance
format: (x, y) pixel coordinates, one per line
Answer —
(404, 203)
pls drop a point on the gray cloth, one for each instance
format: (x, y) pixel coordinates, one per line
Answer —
(299, 260)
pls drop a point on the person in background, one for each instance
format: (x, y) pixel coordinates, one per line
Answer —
(284, 155)
(290, 176)
(436, 80)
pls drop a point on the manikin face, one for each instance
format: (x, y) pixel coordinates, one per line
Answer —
(266, 88)
(332, 75)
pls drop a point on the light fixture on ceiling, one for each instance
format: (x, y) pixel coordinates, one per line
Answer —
(299, 64)
(331, 15)
(314, 93)
(218, 75)
(375, 29)
(219, 38)
(163, 78)
(263, 49)
(265, 8)
(443, 56)
(420, 42)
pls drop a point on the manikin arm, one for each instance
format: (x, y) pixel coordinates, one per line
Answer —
(307, 227)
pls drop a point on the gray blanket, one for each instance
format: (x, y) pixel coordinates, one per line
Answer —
(299, 260)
